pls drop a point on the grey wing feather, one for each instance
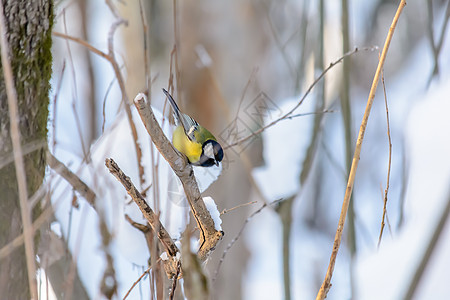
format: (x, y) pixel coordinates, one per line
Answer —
(190, 126)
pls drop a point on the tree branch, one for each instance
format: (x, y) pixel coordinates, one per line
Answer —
(72, 178)
(209, 236)
(148, 213)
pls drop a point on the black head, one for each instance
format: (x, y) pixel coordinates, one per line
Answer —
(212, 154)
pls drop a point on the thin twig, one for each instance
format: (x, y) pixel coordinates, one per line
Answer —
(404, 183)
(431, 36)
(303, 97)
(176, 34)
(238, 206)
(81, 187)
(86, 156)
(82, 43)
(55, 97)
(347, 121)
(141, 227)
(18, 157)
(431, 246)
(325, 111)
(6, 250)
(444, 28)
(148, 81)
(110, 56)
(303, 45)
(238, 235)
(278, 42)
(233, 123)
(389, 161)
(26, 149)
(121, 81)
(104, 103)
(436, 47)
(38, 195)
(325, 287)
(138, 280)
(247, 85)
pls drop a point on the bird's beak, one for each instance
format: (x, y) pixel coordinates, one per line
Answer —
(216, 163)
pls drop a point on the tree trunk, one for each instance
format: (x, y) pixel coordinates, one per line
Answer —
(28, 31)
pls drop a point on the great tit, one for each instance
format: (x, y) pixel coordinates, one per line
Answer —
(193, 140)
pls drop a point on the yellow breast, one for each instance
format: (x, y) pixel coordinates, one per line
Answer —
(191, 149)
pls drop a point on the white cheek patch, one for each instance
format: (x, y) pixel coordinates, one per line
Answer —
(209, 150)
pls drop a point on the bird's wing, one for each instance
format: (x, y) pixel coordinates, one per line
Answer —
(190, 126)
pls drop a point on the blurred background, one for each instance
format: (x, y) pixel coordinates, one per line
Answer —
(237, 65)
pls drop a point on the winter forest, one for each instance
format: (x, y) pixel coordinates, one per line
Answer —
(335, 176)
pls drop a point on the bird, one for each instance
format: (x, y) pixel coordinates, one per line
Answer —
(193, 140)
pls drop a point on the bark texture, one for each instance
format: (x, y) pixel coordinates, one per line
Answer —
(28, 31)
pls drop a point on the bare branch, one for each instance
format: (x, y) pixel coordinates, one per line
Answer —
(72, 178)
(148, 213)
(209, 236)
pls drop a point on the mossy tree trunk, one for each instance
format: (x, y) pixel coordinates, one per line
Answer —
(28, 31)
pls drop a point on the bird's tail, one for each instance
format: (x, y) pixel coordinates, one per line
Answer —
(175, 108)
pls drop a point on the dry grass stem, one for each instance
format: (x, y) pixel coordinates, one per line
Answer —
(385, 198)
(326, 284)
